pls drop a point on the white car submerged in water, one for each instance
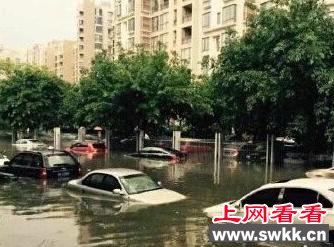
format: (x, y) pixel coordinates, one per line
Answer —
(3, 159)
(299, 192)
(125, 184)
(28, 144)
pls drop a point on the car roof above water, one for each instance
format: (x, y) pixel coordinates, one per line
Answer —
(45, 152)
(117, 172)
(307, 183)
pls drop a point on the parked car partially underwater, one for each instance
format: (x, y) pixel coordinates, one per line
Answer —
(160, 153)
(87, 147)
(125, 184)
(299, 192)
(43, 164)
(321, 173)
(3, 159)
(29, 144)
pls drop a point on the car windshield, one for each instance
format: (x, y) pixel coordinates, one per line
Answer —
(60, 159)
(34, 141)
(139, 183)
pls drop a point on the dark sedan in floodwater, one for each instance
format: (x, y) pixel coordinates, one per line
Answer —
(160, 153)
(43, 164)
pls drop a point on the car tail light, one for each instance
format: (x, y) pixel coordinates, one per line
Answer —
(42, 173)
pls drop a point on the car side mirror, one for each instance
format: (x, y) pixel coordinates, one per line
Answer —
(118, 192)
(6, 163)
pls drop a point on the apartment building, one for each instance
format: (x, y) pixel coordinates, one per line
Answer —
(58, 57)
(94, 32)
(10, 55)
(194, 29)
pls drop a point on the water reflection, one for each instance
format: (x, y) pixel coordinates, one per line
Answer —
(68, 219)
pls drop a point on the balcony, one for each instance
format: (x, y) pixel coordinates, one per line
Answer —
(186, 35)
(186, 18)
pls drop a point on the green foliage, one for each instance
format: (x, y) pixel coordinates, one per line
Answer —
(280, 74)
(141, 89)
(30, 98)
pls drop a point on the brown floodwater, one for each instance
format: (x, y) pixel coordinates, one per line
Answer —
(46, 214)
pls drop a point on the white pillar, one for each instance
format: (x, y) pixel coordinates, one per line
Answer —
(81, 134)
(140, 140)
(176, 144)
(107, 136)
(57, 138)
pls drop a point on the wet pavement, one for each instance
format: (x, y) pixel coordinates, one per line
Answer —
(45, 214)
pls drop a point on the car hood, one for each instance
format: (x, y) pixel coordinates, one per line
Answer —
(215, 210)
(156, 197)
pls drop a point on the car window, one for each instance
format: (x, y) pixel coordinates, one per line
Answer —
(299, 197)
(17, 160)
(268, 197)
(325, 202)
(94, 180)
(110, 183)
(60, 160)
(37, 161)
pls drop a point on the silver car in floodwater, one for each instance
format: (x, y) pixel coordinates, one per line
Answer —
(125, 184)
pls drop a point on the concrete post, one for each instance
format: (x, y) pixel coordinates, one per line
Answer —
(107, 136)
(271, 158)
(57, 138)
(140, 140)
(81, 134)
(176, 143)
(217, 158)
(13, 136)
(35, 133)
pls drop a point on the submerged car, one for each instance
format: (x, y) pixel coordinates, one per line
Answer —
(125, 184)
(3, 159)
(87, 147)
(29, 143)
(299, 192)
(325, 173)
(160, 153)
(43, 164)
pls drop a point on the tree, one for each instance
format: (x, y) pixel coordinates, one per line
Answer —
(30, 97)
(279, 75)
(140, 89)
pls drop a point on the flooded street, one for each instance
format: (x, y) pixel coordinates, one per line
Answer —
(45, 214)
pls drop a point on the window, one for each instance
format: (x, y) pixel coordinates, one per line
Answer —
(98, 20)
(268, 197)
(206, 20)
(110, 183)
(205, 44)
(325, 203)
(81, 13)
(59, 159)
(98, 29)
(94, 180)
(99, 38)
(37, 161)
(81, 22)
(100, 12)
(163, 22)
(155, 23)
(131, 6)
(18, 160)
(186, 54)
(217, 42)
(98, 46)
(131, 43)
(229, 13)
(131, 25)
(119, 10)
(81, 47)
(218, 18)
(299, 197)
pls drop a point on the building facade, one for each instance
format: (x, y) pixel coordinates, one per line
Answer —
(58, 57)
(94, 30)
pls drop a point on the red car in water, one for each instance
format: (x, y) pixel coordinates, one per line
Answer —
(87, 147)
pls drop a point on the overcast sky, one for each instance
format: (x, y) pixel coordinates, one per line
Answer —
(25, 22)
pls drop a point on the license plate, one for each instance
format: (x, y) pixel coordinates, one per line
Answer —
(63, 174)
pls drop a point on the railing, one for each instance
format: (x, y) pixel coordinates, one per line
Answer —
(186, 40)
(186, 18)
